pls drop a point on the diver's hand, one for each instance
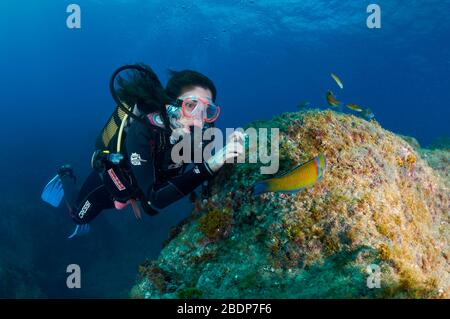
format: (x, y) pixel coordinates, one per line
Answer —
(232, 150)
(177, 134)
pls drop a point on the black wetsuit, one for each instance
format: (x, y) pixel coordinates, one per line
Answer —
(149, 168)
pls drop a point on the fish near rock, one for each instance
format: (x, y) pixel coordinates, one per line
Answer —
(300, 177)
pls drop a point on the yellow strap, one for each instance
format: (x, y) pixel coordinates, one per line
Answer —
(122, 125)
(119, 138)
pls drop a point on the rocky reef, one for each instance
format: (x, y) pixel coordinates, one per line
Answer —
(381, 211)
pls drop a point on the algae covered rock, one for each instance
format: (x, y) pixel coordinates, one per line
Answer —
(376, 225)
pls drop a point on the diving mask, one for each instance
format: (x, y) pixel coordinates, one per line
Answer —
(199, 107)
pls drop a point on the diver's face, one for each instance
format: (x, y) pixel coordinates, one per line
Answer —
(186, 122)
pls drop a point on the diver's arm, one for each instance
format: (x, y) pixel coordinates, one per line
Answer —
(193, 178)
(179, 186)
(138, 143)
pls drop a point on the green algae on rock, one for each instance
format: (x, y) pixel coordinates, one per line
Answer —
(380, 204)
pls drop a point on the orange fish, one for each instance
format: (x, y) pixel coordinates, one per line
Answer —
(298, 178)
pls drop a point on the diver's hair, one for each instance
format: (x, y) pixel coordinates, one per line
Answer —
(145, 90)
(183, 80)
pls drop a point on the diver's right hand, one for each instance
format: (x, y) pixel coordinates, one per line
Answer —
(232, 150)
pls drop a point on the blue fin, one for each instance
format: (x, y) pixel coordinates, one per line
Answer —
(53, 192)
(259, 188)
(80, 230)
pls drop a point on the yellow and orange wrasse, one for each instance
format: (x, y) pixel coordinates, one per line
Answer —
(300, 177)
(337, 80)
(331, 99)
(355, 107)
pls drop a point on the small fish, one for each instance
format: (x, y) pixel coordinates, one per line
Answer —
(367, 114)
(331, 99)
(295, 180)
(355, 107)
(337, 80)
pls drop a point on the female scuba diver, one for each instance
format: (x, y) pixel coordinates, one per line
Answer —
(132, 163)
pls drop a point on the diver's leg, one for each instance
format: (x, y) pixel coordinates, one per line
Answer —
(68, 181)
(92, 199)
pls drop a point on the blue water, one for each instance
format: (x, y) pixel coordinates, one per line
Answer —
(264, 57)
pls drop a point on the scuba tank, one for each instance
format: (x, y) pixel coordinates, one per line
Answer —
(108, 158)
